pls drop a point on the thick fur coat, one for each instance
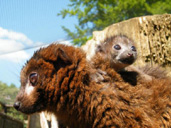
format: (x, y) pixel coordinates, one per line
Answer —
(64, 86)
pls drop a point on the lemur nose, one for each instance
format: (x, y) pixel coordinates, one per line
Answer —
(16, 105)
(130, 54)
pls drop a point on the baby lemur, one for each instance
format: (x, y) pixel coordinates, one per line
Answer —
(121, 52)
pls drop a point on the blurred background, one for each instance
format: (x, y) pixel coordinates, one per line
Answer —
(25, 26)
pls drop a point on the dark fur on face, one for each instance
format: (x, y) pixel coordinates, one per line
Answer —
(62, 85)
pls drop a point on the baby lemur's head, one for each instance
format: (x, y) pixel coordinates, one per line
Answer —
(120, 50)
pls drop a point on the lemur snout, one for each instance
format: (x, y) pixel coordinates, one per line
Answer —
(17, 105)
(130, 54)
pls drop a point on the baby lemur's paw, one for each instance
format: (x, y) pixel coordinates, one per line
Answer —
(98, 76)
(145, 77)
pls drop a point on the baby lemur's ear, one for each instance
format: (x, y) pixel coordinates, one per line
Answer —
(63, 55)
(100, 49)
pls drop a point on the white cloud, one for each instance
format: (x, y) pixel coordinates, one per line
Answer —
(4, 33)
(66, 42)
(16, 57)
(11, 41)
(12, 45)
(9, 45)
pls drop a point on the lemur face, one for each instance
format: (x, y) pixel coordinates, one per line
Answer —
(123, 51)
(31, 97)
(120, 50)
(39, 79)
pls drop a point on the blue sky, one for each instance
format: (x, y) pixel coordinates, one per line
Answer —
(24, 24)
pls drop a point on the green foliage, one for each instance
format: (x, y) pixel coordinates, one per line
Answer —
(16, 114)
(7, 97)
(79, 33)
(97, 14)
(1, 109)
(8, 93)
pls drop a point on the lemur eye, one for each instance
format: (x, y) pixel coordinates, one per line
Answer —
(33, 78)
(133, 48)
(117, 47)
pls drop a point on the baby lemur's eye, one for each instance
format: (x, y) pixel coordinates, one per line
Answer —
(117, 47)
(33, 78)
(133, 48)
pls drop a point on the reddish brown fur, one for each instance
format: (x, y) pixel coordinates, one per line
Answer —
(155, 93)
(65, 88)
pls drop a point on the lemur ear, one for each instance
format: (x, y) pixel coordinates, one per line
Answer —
(100, 49)
(63, 55)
